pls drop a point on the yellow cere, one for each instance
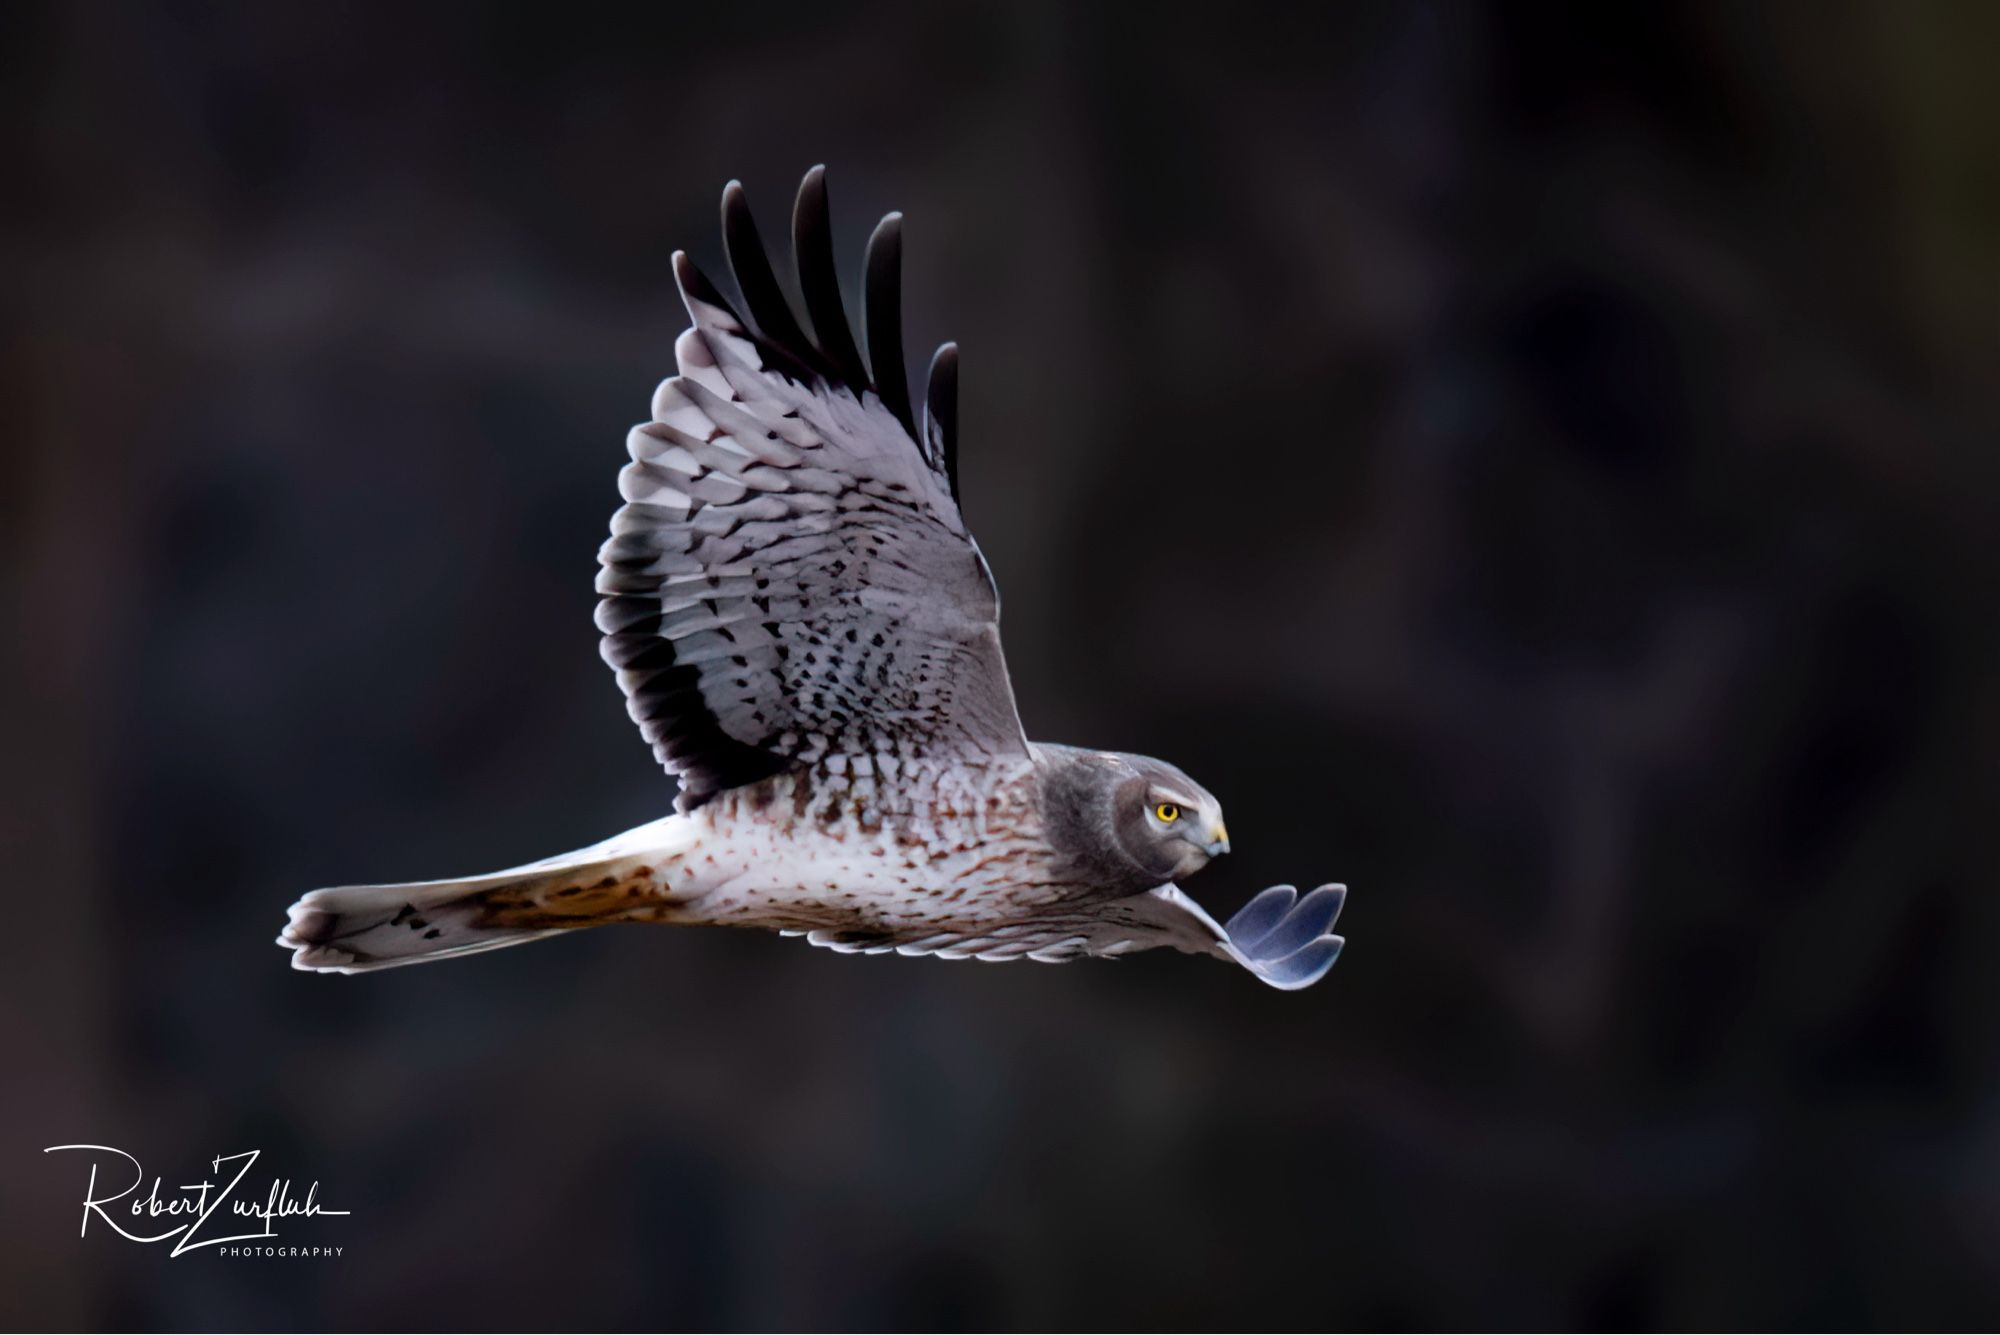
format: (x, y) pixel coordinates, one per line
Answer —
(1167, 812)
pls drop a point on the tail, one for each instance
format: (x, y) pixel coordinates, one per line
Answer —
(354, 928)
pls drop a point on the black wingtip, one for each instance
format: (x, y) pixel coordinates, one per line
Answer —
(941, 410)
(819, 282)
(770, 313)
(882, 319)
(695, 286)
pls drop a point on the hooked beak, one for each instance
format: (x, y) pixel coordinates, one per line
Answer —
(1218, 842)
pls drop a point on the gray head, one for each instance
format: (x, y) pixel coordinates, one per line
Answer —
(1129, 821)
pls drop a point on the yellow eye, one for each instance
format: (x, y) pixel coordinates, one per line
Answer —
(1167, 812)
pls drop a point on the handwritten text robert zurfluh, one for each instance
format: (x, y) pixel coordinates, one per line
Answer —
(195, 1204)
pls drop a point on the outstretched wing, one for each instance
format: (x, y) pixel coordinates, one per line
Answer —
(1282, 938)
(790, 578)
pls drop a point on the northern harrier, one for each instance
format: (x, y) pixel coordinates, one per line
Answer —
(809, 637)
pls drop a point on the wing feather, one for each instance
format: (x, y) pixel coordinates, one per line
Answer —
(764, 302)
(941, 415)
(1283, 939)
(819, 280)
(882, 318)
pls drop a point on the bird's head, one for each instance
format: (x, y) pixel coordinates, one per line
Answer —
(1166, 820)
(1139, 819)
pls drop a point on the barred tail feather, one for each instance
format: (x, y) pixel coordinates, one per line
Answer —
(353, 928)
(356, 928)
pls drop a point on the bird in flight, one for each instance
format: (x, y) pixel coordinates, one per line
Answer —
(808, 635)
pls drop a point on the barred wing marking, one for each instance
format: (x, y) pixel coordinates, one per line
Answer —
(1279, 936)
(790, 578)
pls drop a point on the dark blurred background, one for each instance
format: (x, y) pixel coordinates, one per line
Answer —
(1536, 464)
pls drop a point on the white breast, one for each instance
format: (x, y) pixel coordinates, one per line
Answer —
(843, 850)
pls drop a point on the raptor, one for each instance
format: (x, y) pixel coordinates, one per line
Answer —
(809, 637)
